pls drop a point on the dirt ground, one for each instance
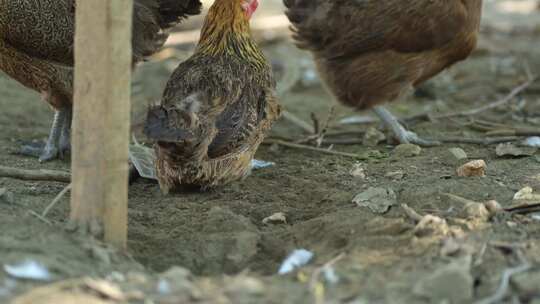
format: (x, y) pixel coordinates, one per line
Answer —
(213, 247)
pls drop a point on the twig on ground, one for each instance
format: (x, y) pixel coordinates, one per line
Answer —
(295, 120)
(514, 132)
(324, 128)
(316, 123)
(342, 141)
(524, 208)
(310, 148)
(56, 200)
(319, 297)
(317, 273)
(516, 91)
(471, 112)
(41, 218)
(319, 129)
(35, 175)
(527, 69)
(480, 258)
(491, 124)
(344, 133)
(507, 246)
(478, 141)
(411, 213)
(501, 292)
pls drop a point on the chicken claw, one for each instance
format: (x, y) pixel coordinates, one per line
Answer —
(403, 135)
(57, 142)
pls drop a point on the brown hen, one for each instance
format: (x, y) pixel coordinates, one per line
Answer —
(217, 107)
(372, 51)
(36, 49)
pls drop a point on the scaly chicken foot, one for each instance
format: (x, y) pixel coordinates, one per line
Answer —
(403, 135)
(65, 134)
(59, 132)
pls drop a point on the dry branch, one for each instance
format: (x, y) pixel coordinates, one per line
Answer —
(290, 117)
(516, 91)
(514, 132)
(478, 141)
(317, 273)
(411, 213)
(310, 148)
(56, 200)
(35, 175)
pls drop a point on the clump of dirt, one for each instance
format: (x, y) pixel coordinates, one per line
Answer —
(227, 254)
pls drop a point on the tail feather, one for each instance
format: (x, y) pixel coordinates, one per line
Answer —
(152, 20)
(159, 128)
(308, 29)
(173, 11)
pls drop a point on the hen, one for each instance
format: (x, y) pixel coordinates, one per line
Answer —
(217, 106)
(36, 49)
(371, 51)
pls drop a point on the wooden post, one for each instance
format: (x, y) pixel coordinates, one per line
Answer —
(101, 118)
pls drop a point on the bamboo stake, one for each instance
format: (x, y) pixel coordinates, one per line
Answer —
(101, 117)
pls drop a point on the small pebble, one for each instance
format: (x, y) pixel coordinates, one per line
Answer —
(395, 175)
(276, 218)
(242, 284)
(407, 150)
(176, 273)
(458, 153)
(136, 277)
(116, 276)
(472, 168)
(106, 289)
(450, 247)
(358, 171)
(431, 225)
(6, 196)
(373, 137)
(476, 211)
(524, 194)
(378, 200)
(493, 207)
(511, 224)
(274, 148)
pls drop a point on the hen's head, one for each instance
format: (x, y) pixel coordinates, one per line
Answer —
(225, 9)
(226, 24)
(249, 7)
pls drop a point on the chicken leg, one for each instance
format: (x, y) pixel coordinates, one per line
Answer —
(403, 135)
(58, 140)
(65, 135)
